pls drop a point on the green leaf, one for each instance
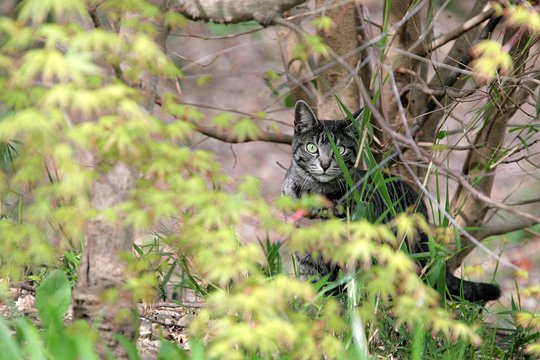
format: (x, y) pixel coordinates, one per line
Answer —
(518, 15)
(203, 79)
(537, 108)
(37, 10)
(81, 338)
(53, 297)
(419, 336)
(289, 101)
(323, 23)
(168, 351)
(271, 75)
(34, 348)
(442, 134)
(175, 20)
(51, 65)
(10, 349)
(245, 129)
(316, 44)
(222, 120)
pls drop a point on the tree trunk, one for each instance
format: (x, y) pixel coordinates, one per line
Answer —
(100, 295)
(341, 38)
(398, 105)
(102, 268)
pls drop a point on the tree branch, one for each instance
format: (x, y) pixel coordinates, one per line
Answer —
(229, 137)
(233, 11)
(295, 67)
(457, 32)
(501, 227)
(429, 119)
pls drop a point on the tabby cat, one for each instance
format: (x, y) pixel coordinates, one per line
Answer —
(315, 170)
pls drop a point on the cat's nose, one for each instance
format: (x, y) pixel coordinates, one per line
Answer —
(325, 165)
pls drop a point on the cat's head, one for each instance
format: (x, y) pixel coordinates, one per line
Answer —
(312, 151)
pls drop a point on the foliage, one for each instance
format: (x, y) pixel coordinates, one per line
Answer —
(56, 340)
(21, 339)
(70, 110)
(531, 323)
(491, 58)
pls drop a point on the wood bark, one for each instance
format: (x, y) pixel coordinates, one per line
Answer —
(405, 70)
(233, 11)
(341, 38)
(102, 268)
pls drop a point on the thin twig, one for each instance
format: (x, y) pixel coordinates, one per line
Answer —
(371, 42)
(457, 32)
(453, 76)
(462, 180)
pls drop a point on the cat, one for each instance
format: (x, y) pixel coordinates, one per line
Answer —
(314, 169)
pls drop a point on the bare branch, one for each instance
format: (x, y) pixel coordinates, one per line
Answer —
(429, 120)
(524, 202)
(233, 11)
(457, 32)
(297, 70)
(471, 212)
(500, 227)
(227, 136)
(222, 37)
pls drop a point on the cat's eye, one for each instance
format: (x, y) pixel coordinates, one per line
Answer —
(341, 149)
(311, 148)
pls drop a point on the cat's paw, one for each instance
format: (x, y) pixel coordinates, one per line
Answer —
(320, 213)
(339, 210)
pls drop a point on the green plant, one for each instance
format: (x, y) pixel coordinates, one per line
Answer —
(56, 340)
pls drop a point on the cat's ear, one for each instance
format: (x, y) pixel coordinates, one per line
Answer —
(353, 127)
(304, 118)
